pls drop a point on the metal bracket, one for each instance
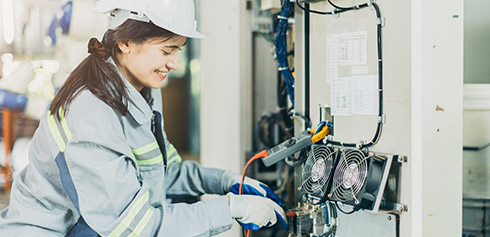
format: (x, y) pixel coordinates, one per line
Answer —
(398, 208)
(402, 159)
(401, 207)
(361, 144)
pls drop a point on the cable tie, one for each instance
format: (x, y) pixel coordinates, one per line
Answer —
(380, 60)
(282, 108)
(380, 21)
(282, 17)
(283, 68)
(382, 119)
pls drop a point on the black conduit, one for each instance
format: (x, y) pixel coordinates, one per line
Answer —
(307, 61)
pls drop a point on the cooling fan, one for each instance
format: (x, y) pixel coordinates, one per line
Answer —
(318, 171)
(359, 179)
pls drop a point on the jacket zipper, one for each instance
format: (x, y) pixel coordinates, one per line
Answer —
(153, 125)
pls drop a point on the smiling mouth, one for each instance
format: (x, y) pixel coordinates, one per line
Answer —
(161, 73)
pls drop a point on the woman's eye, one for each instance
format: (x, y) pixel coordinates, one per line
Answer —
(165, 52)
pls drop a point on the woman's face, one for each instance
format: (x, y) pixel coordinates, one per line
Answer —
(147, 64)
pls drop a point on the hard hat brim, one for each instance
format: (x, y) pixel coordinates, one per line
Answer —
(168, 25)
(190, 33)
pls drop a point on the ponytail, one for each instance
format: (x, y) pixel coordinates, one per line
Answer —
(96, 75)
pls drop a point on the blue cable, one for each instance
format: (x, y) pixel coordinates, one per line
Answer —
(281, 48)
(320, 126)
(301, 197)
(325, 210)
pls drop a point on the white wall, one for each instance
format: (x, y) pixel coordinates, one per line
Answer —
(225, 86)
(437, 78)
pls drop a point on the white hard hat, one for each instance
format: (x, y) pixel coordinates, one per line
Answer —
(176, 16)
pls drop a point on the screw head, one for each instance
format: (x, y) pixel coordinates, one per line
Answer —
(389, 218)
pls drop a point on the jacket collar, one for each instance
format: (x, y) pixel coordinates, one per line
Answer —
(138, 107)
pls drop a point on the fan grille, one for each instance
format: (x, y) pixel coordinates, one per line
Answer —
(350, 176)
(317, 170)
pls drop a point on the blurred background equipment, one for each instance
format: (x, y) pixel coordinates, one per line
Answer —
(476, 159)
(48, 41)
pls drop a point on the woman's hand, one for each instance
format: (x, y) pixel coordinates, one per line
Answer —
(253, 212)
(231, 183)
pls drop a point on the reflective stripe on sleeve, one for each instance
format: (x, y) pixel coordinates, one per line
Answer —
(133, 211)
(175, 159)
(65, 125)
(145, 149)
(151, 161)
(171, 151)
(173, 156)
(148, 155)
(59, 129)
(55, 132)
(142, 224)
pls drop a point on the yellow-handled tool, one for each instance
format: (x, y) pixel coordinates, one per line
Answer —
(320, 135)
(294, 144)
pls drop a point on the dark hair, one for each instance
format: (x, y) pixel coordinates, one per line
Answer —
(100, 77)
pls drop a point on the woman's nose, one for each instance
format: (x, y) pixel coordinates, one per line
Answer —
(172, 63)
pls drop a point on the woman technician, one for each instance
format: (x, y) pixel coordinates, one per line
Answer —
(100, 163)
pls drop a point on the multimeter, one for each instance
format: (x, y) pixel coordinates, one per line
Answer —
(287, 148)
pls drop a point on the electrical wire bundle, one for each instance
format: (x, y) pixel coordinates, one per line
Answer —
(281, 48)
(381, 117)
(329, 214)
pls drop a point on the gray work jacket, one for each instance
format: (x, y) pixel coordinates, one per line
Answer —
(106, 170)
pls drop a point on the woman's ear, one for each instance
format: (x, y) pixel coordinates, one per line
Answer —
(125, 47)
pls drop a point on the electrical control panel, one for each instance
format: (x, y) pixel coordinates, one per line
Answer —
(346, 184)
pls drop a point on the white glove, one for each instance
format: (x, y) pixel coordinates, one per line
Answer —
(230, 182)
(255, 212)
